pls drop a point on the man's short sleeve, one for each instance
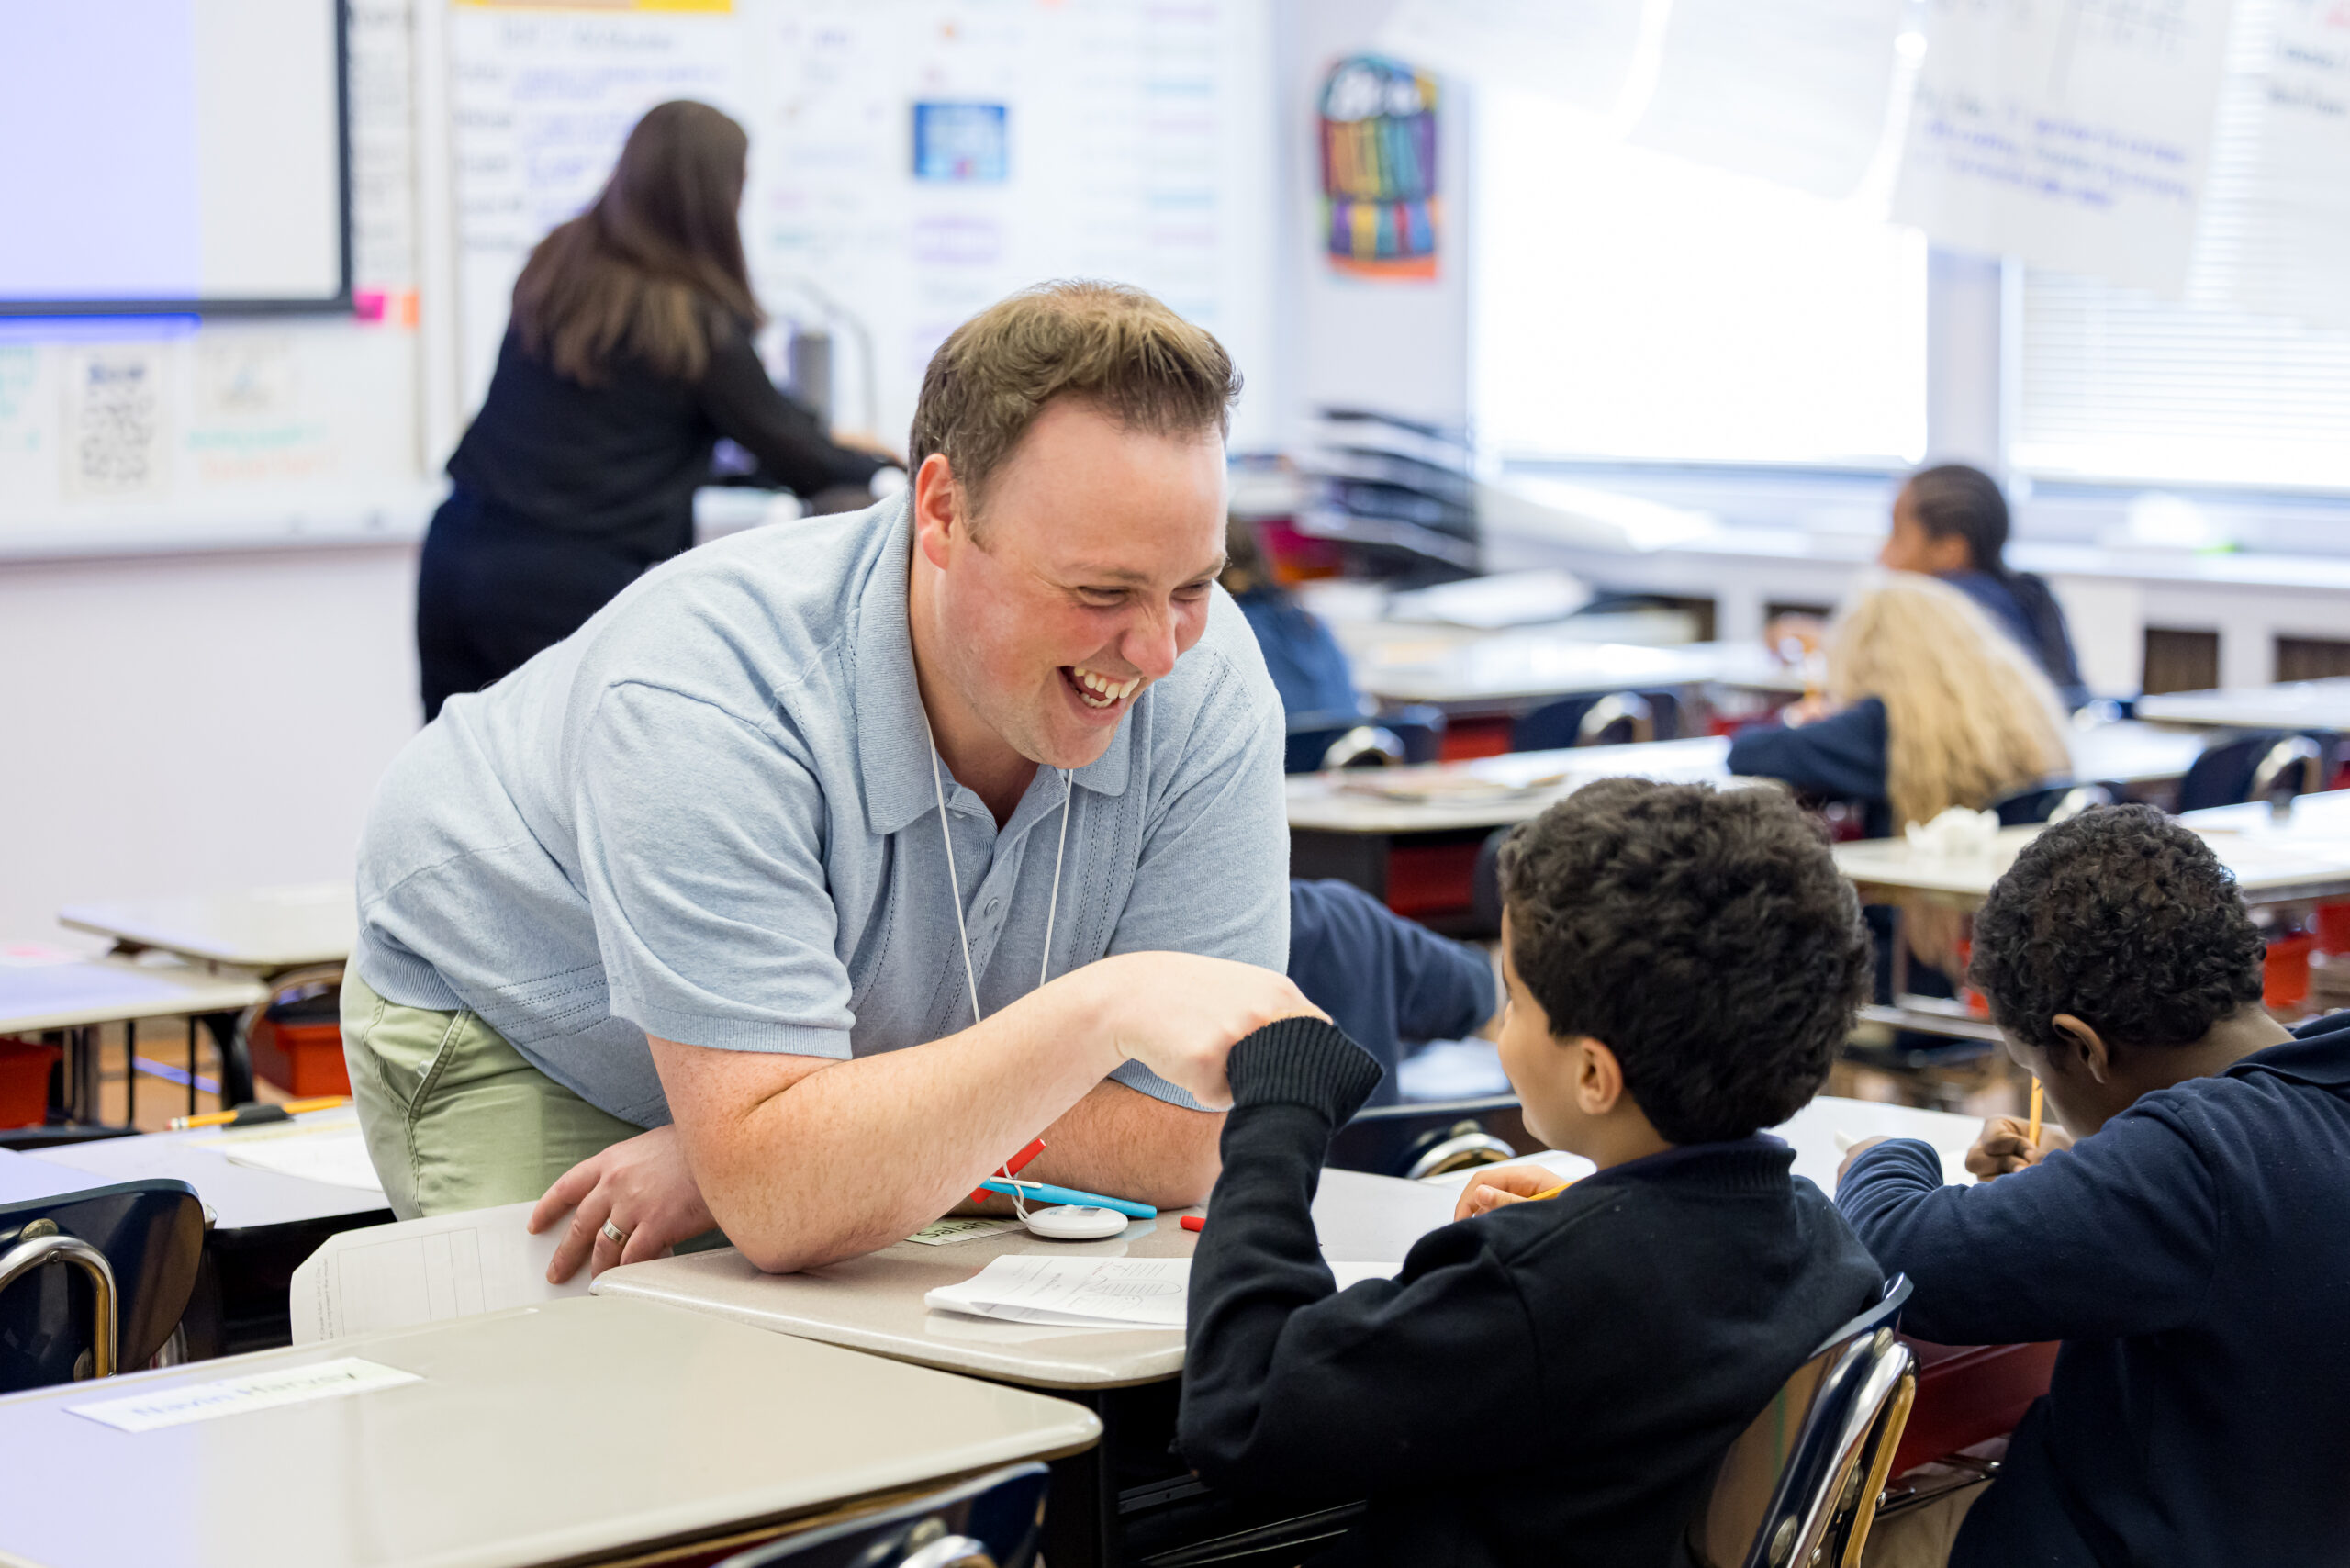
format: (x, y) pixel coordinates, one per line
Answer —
(702, 860)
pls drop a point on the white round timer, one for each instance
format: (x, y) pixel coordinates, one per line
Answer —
(1075, 1222)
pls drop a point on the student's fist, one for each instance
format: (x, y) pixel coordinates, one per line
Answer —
(1494, 1185)
(2004, 1146)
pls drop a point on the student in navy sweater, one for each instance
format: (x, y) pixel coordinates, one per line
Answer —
(1928, 706)
(1386, 981)
(2184, 1230)
(1554, 1382)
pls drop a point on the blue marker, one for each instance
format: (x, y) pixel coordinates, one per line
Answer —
(1039, 1192)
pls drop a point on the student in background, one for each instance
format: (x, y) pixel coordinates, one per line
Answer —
(1950, 521)
(1308, 667)
(628, 357)
(1928, 706)
(1549, 1382)
(2183, 1230)
(1384, 980)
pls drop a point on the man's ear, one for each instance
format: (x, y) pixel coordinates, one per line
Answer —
(2079, 1045)
(938, 508)
(1599, 1077)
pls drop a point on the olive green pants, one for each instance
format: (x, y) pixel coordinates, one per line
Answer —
(456, 1118)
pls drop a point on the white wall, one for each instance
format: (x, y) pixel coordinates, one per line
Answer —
(1400, 347)
(185, 724)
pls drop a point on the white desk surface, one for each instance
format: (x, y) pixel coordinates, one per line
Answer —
(1504, 670)
(583, 1427)
(1813, 1131)
(1495, 791)
(239, 1196)
(2292, 705)
(37, 996)
(23, 1178)
(263, 929)
(2305, 855)
(875, 1303)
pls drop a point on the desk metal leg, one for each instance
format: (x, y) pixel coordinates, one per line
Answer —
(191, 1064)
(236, 1063)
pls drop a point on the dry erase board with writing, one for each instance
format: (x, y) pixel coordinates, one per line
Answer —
(173, 432)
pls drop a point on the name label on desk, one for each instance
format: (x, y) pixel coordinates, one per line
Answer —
(236, 1396)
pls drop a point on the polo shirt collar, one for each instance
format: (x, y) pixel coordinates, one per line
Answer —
(893, 750)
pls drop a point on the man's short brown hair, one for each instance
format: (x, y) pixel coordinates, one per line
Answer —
(1113, 347)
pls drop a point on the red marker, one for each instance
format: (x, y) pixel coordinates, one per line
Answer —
(1195, 1221)
(1013, 1166)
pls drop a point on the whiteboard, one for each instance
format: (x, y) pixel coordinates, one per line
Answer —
(1138, 146)
(165, 433)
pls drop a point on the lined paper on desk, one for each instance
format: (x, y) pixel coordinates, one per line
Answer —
(1094, 1293)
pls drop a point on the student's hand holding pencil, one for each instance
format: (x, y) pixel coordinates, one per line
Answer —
(1491, 1188)
(2005, 1146)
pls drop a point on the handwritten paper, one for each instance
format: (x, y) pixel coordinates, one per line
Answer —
(115, 441)
(2075, 134)
(238, 1395)
(2296, 257)
(425, 1271)
(1794, 92)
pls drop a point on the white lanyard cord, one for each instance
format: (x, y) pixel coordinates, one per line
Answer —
(963, 935)
(1052, 910)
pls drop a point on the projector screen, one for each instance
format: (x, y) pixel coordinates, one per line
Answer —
(172, 154)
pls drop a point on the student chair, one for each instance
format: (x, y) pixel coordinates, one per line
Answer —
(2053, 803)
(994, 1521)
(2273, 765)
(94, 1283)
(1318, 741)
(1617, 718)
(1800, 1485)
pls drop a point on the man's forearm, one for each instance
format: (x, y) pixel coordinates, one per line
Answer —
(845, 1159)
(1124, 1143)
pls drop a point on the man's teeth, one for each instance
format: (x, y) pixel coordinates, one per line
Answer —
(1101, 692)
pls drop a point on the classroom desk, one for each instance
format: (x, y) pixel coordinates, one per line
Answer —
(274, 935)
(263, 1224)
(23, 1178)
(874, 1304)
(71, 999)
(1348, 824)
(2298, 859)
(2290, 705)
(580, 1431)
(1503, 673)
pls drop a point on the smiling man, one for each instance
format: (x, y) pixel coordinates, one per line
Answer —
(849, 857)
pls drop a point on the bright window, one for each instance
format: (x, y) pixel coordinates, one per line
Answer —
(1632, 304)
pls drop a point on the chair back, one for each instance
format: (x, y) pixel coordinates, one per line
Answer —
(1617, 718)
(993, 1521)
(1316, 741)
(2053, 803)
(1799, 1485)
(136, 1245)
(2257, 763)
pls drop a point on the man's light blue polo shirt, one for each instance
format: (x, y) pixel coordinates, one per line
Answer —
(709, 815)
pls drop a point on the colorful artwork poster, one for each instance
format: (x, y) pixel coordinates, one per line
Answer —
(1379, 205)
(961, 143)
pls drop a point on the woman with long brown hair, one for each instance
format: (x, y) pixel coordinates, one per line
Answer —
(627, 356)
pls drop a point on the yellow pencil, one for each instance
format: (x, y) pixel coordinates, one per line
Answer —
(2033, 1135)
(247, 1115)
(1552, 1192)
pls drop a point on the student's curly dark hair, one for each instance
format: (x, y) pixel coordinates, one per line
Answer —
(2123, 919)
(1704, 937)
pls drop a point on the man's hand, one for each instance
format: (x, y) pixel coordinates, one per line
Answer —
(2004, 1146)
(1180, 1014)
(1492, 1187)
(643, 1186)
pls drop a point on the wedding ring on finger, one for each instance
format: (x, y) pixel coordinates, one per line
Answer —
(615, 1235)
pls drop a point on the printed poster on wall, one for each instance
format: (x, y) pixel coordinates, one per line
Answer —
(2299, 263)
(2075, 134)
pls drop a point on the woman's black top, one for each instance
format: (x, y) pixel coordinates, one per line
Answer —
(616, 465)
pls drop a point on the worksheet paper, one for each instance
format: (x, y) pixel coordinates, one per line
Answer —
(2075, 134)
(425, 1271)
(1794, 92)
(1094, 1293)
(335, 1153)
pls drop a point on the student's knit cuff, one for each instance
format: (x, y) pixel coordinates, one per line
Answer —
(1302, 1062)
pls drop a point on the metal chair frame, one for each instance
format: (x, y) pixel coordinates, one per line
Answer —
(912, 1535)
(54, 1247)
